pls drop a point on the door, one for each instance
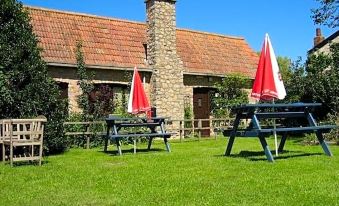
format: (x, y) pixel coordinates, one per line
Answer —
(201, 108)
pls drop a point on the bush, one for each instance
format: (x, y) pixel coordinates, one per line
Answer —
(230, 92)
(317, 81)
(333, 136)
(26, 90)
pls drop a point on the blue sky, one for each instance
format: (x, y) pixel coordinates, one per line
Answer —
(288, 22)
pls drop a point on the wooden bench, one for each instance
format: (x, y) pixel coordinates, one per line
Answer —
(279, 130)
(322, 128)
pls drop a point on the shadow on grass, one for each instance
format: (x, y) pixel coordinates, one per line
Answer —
(26, 163)
(131, 151)
(260, 155)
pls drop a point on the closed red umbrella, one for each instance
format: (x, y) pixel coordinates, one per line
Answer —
(137, 102)
(268, 84)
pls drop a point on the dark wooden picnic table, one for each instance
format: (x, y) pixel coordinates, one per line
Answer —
(300, 114)
(119, 128)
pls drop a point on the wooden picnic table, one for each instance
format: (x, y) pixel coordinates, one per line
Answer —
(119, 128)
(288, 113)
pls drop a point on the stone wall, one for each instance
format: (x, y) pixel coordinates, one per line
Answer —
(102, 76)
(167, 77)
(326, 48)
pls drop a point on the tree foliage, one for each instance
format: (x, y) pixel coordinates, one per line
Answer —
(295, 86)
(327, 14)
(285, 67)
(317, 81)
(26, 90)
(323, 79)
(230, 92)
(103, 101)
(85, 83)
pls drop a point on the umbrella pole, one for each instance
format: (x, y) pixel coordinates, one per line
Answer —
(275, 135)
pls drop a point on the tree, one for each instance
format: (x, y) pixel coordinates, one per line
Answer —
(230, 92)
(26, 90)
(317, 81)
(295, 85)
(323, 79)
(285, 67)
(327, 14)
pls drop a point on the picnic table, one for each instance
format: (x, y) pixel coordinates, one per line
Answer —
(119, 128)
(300, 114)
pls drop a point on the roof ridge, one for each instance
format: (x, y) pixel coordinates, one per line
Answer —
(213, 34)
(82, 14)
(124, 20)
(128, 50)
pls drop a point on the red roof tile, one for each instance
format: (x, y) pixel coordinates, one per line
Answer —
(118, 43)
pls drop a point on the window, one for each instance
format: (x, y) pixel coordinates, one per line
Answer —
(63, 88)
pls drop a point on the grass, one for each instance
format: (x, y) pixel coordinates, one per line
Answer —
(194, 173)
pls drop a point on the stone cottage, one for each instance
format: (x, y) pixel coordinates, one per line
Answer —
(178, 66)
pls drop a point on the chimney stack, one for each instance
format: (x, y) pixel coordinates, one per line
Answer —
(167, 77)
(318, 38)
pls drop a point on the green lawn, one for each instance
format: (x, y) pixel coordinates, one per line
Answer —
(194, 173)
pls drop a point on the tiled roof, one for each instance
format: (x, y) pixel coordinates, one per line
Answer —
(109, 42)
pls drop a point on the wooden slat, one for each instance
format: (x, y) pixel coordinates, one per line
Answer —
(278, 115)
(141, 135)
(323, 128)
(17, 159)
(79, 133)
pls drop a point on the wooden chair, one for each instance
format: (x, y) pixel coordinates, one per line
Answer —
(4, 134)
(21, 138)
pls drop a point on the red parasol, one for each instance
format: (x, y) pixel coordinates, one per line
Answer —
(268, 84)
(137, 102)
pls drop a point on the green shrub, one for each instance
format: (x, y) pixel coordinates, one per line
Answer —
(26, 90)
(229, 92)
(333, 135)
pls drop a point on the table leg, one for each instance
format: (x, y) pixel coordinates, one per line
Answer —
(282, 142)
(149, 143)
(167, 145)
(319, 134)
(106, 140)
(117, 141)
(323, 144)
(135, 145)
(229, 145)
(232, 135)
(267, 150)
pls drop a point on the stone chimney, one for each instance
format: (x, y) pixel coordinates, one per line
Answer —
(167, 77)
(318, 37)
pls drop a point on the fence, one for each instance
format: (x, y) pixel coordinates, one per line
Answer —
(195, 127)
(184, 128)
(85, 129)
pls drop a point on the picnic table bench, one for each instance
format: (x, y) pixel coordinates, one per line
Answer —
(302, 112)
(117, 129)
